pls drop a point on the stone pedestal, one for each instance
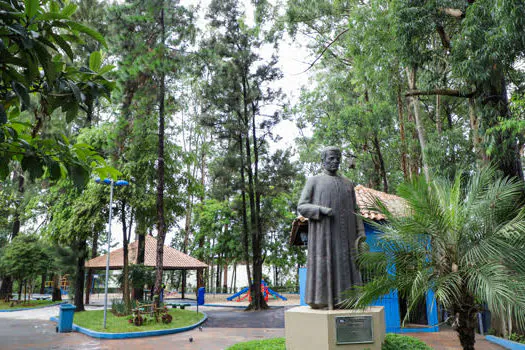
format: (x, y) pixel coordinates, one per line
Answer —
(309, 329)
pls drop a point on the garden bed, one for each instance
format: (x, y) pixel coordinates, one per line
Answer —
(93, 320)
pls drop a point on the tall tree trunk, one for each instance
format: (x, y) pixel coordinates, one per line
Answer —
(57, 295)
(140, 236)
(94, 253)
(439, 122)
(225, 277)
(506, 153)
(381, 161)
(412, 74)
(43, 283)
(404, 164)
(161, 229)
(79, 275)
(187, 229)
(467, 324)
(474, 132)
(200, 272)
(125, 263)
(245, 238)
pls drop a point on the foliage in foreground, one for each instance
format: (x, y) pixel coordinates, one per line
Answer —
(403, 342)
(462, 239)
(93, 320)
(266, 344)
(392, 342)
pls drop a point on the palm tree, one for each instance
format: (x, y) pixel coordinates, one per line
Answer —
(462, 239)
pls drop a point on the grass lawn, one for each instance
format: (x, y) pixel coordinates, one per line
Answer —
(93, 320)
(392, 342)
(28, 304)
(267, 344)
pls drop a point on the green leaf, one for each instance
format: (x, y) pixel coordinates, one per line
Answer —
(21, 91)
(33, 165)
(31, 7)
(69, 9)
(89, 31)
(79, 175)
(95, 61)
(54, 170)
(52, 16)
(3, 115)
(76, 91)
(4, 167)
(71, 112)
(106, 69)
(63, 45)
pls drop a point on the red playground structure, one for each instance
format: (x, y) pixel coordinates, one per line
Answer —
(264, 289)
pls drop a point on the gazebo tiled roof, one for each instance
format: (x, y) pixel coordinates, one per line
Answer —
(173, 259)
(365, 198)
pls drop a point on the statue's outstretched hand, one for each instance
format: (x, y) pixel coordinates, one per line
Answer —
(326, 211)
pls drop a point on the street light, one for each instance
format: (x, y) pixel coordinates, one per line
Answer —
(111, 183)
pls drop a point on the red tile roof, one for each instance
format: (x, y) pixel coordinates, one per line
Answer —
(365, 199)
(173, 259)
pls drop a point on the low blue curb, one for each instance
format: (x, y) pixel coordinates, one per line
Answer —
(101, 335)
(507, 344)
(242, 307)
(33, 308)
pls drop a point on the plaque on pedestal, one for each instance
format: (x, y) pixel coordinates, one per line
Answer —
(310, 329)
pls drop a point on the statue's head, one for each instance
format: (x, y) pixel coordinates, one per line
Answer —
(331, 157)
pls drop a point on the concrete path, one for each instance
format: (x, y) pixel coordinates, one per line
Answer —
(32, 329)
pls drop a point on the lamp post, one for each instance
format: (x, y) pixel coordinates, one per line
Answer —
(112, 184)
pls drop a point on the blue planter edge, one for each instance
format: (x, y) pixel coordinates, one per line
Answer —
(101, 335)
(34, 308)
(507, 344)
(242, 306)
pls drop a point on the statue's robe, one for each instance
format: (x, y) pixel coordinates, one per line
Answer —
(341, 230)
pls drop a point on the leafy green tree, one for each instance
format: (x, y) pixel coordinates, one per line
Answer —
(239, 85)
(24, 259)
(36, 38)
(462, 239)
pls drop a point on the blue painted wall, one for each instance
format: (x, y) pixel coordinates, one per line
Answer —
(390, 302)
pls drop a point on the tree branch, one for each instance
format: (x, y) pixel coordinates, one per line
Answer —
(324, 50)
(445, 40)
(456, 13)
(443, 92)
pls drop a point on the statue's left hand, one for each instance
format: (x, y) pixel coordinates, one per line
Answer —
(359, 242)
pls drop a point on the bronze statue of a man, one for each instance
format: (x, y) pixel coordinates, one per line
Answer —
(329, 203)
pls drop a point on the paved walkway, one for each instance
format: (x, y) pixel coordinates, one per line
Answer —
(448, 340)
(32, 329)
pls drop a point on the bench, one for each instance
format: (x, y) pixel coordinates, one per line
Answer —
(181, 305)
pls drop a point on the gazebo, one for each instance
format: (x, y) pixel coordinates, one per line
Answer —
(172, 260)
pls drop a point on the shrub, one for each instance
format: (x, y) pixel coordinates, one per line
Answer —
(403, 342)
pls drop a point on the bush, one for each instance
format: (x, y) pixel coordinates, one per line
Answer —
(519, 338)
(118, 308)
(403, 342)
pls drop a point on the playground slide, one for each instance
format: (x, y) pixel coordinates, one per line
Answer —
(274, 293)
(244, 290)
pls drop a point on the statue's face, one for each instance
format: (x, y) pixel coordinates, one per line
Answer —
(332, 161)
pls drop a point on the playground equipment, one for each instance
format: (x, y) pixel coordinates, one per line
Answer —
(64, 284)
(264, 289)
